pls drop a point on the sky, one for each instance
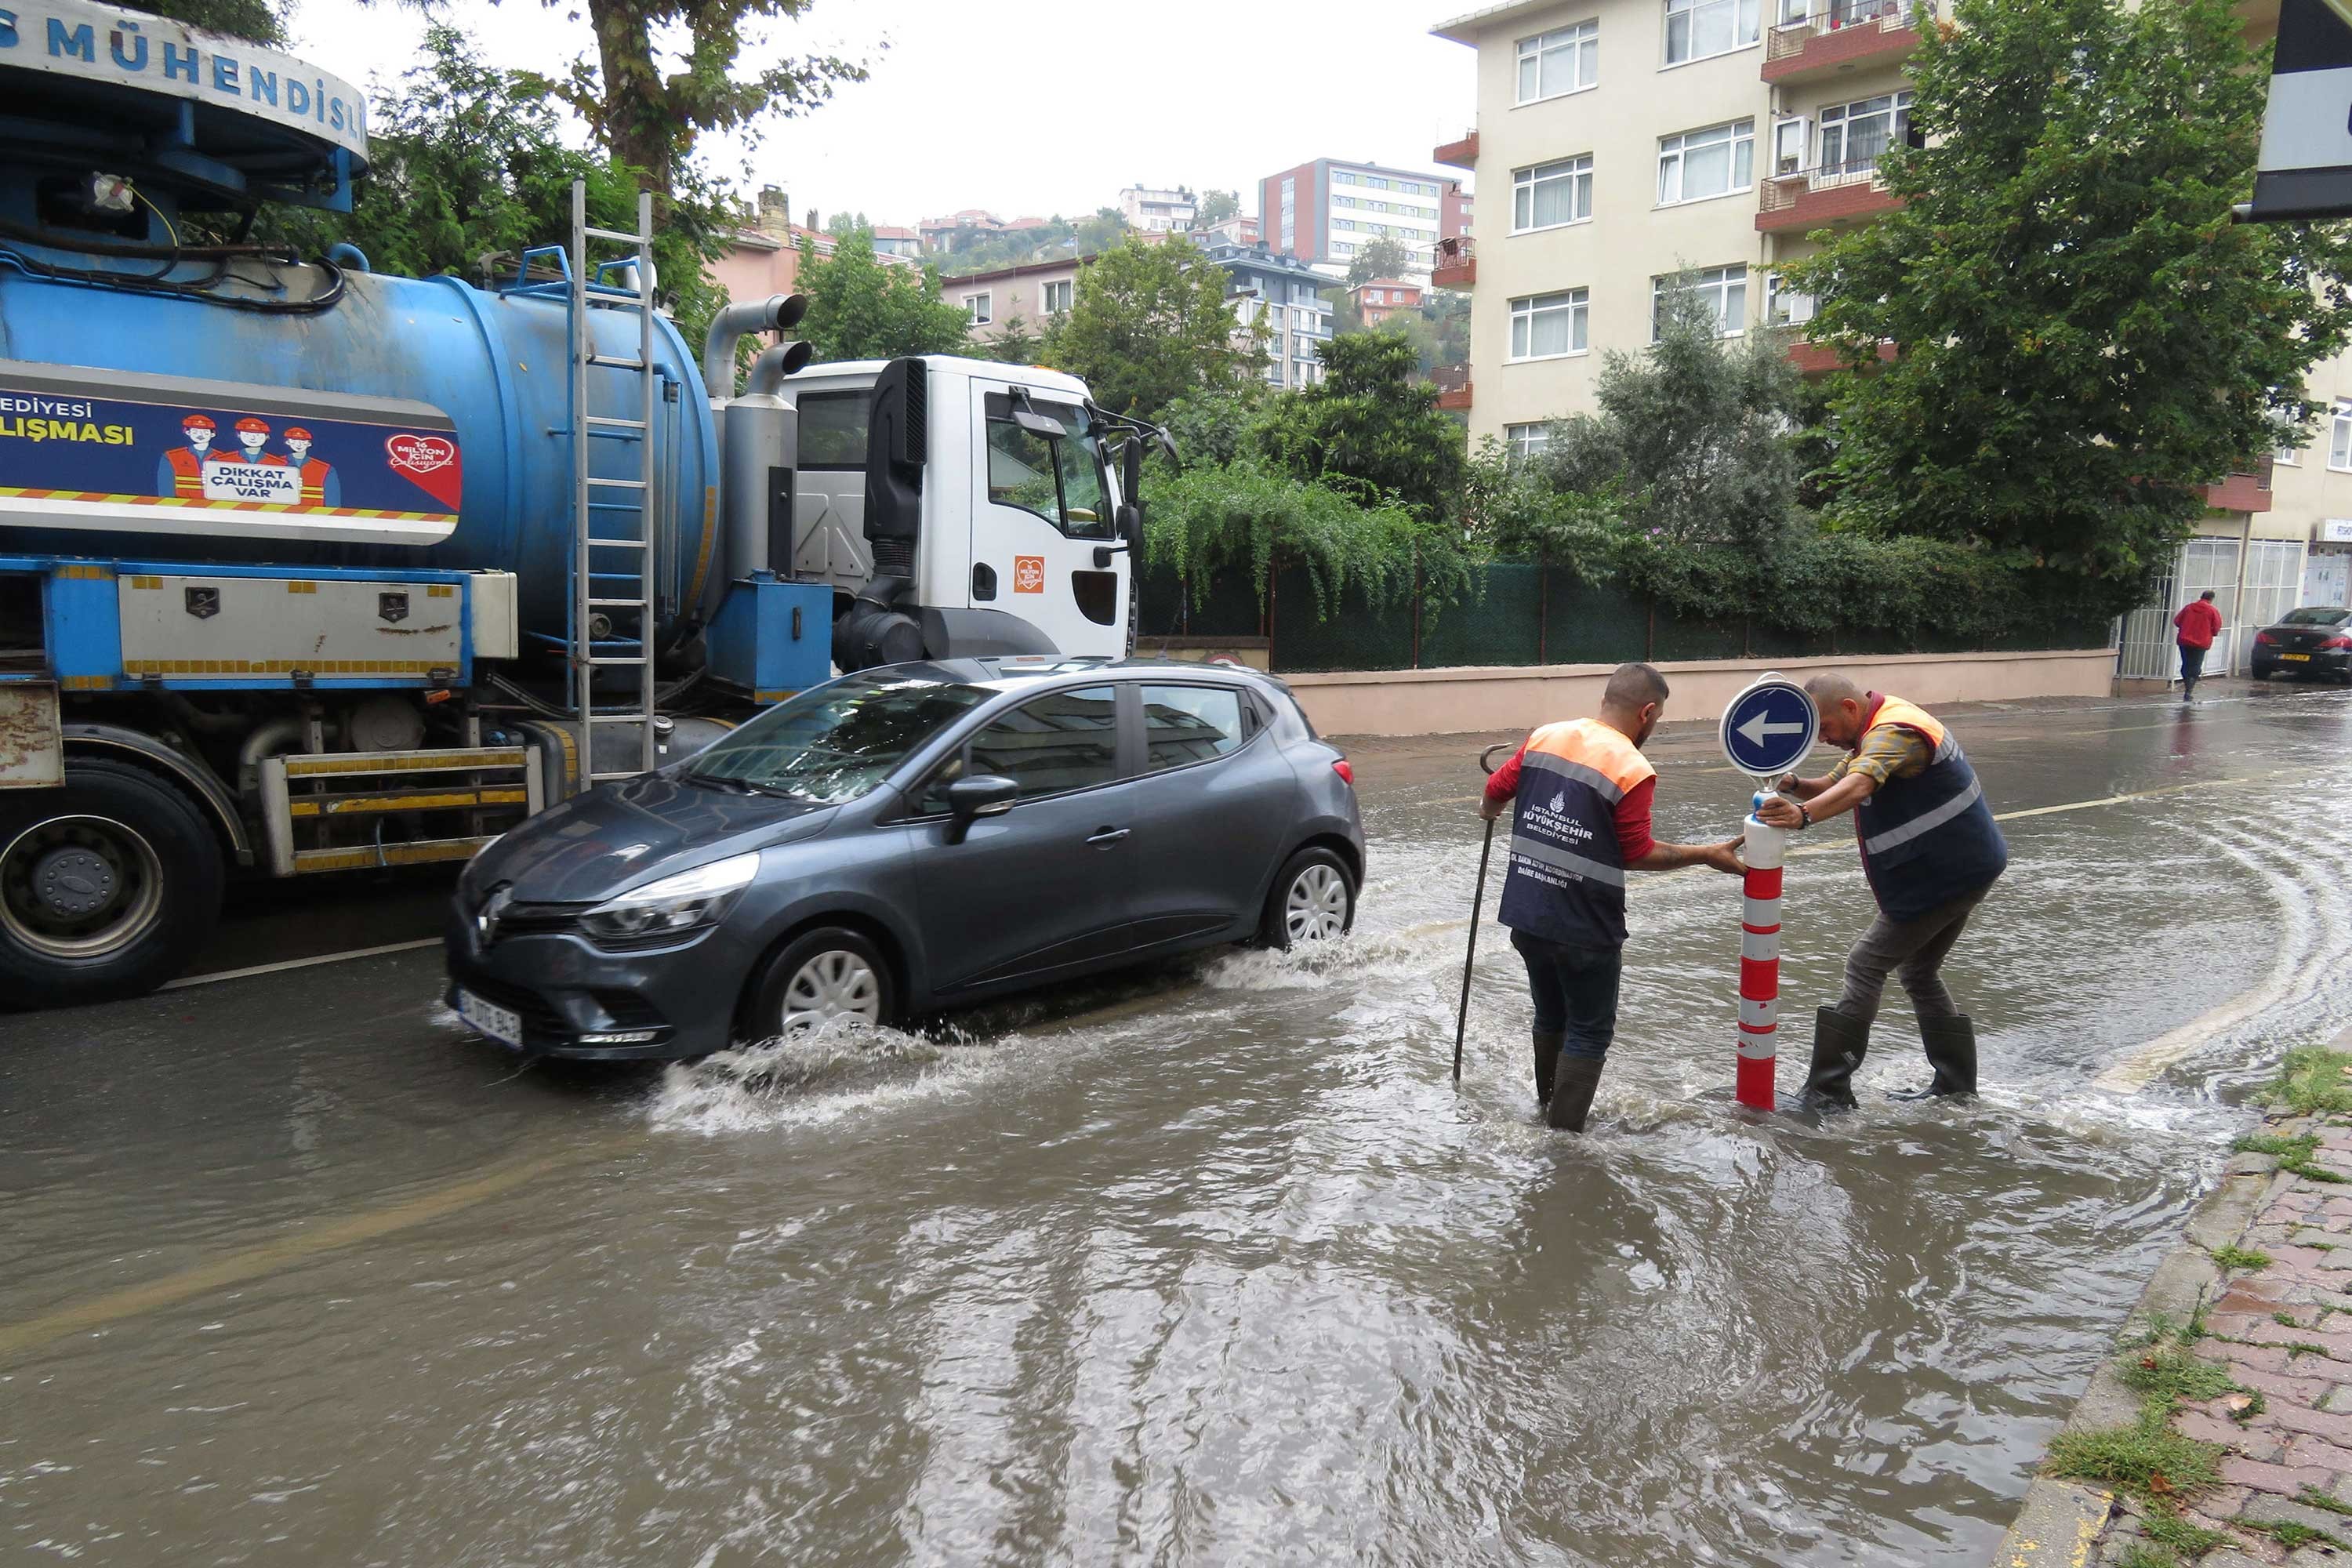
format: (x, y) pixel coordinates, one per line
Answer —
(1022, 109)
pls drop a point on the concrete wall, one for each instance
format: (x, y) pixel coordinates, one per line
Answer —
(1479, 699)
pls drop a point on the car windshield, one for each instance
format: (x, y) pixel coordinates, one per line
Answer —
(834, 743)
(2317, 616)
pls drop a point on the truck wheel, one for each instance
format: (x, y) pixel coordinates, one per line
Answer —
(1313, 899)
(105, 886)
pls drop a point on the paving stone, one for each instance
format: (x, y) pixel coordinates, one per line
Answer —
(2279, 1511)
(2207, 1428)
(2318, 1453)
(2231, 1558)
(2285, 1480)
(2337, 1428)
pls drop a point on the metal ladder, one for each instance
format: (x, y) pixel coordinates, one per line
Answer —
(611, 593)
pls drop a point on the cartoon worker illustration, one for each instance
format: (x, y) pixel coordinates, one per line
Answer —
(322, 486)
(252, 435)
(180, 473)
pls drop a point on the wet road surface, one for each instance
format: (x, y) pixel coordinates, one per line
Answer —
(1203, 1265)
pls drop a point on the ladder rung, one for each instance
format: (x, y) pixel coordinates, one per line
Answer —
(623, 484)
(616, 604)
(616, 424)
(619, 543)
(611, 663)
(620, 718)
(616, 363)
(640, 240)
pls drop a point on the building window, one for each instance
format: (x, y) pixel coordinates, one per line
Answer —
(1697, 28)
(1725, 290)
(1715, 161)
(1856, 135)
(2339, 437)
(1546, 326)
(1550, 194)
(1525, 441)
(976, 310)
(1784, 306)
(1056, 296)
(1568, 60)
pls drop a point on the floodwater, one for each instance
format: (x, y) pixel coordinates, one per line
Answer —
(1212, 1264)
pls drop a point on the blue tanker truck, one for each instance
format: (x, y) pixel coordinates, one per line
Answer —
(305, 569)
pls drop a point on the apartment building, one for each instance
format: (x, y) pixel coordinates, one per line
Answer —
(1623, 142)
(1325, 211)
(1154, 211)
(1381, 297)
(1029, 296)
(1287, 295)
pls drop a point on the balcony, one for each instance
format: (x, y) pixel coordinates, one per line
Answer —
(1453, 384)
(2242, 492)
(1817, 197)
(1456, 263)
(1819, 359)
(1462, 154)
(1843, 35)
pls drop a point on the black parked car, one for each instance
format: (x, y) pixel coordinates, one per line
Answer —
(907, 838)
(2314, 640)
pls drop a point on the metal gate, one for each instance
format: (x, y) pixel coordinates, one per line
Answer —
(2274, 583)
(2212, 563)
(2148, 639)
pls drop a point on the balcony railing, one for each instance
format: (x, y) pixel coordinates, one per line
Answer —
(1823, 194)
(1454, 263)
(1453, 384)
(1791, 37)
(1840, 35)
(1460, 154)
(2242, 491)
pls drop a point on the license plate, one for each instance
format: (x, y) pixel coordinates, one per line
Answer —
(2294, 659)
(499, 1024)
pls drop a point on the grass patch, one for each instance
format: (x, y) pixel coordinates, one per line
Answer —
(2295, 1155)
(2312, 1496)
(2146, 1458)
(2255, 1406)
(2284, 1320)
(2168, 1529)
(2241, 1258)
(2138, 1556)
(2303, 1347)
(2311, 1081)
(2167, 1375)
(2288, 1534)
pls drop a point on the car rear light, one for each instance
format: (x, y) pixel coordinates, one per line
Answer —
(2337, 642)
(1340, 767)
(2265, 639)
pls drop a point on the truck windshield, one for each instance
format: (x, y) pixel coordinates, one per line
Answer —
(1062, 478)
(834, 743)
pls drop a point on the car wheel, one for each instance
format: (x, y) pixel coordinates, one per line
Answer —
(826, 976)
(1314, 899)
(107, 885)
(2259, 672)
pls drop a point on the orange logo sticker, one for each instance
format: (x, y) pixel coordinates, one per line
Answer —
(1028, 573)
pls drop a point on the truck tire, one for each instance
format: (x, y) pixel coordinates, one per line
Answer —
(106, 885)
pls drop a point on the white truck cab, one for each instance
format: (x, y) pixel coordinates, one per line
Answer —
(963, 506)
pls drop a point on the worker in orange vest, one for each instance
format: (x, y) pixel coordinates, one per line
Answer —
(252, 435)
(322, 486)
(1930, 851)
(180, 474)
(1582, 820)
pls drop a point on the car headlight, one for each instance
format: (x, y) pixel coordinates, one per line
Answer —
(674, 905)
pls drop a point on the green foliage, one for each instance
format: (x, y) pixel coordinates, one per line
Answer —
(1369, 428)
(1151, 324)
(1216, 207)
(2087, 338)
(2312, 1496)
(2168, 1529)
(2312, 1080)
(1016, 343)
(1380, 256)
(649, 116)
(469, 161)
(2244, 1257)
(859, 308)
(2171, 1373)
(1218, 427)
(2146, 1458)
(255, 21)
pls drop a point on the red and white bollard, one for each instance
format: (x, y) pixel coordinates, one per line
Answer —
(1762, 846)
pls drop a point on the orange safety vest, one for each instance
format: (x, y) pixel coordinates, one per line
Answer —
(1931, 839)
(187, 473)
(1566, 879)
(314, 482)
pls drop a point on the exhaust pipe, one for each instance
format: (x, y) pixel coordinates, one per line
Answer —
(732, 324)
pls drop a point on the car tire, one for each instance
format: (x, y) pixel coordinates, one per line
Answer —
(2258, 672)
(828, 974)
(106, 886)
(1313, 899)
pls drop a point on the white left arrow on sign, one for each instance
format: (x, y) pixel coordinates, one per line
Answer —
(1756, 729)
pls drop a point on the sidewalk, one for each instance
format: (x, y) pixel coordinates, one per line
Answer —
(2220, 1436)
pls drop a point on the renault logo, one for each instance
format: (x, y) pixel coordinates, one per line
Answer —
(494, 908)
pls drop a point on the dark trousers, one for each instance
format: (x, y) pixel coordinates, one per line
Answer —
(2192, 665)
(1575, 991)
(1913, 952)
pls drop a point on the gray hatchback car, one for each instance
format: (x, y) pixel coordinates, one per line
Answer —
(907, 839)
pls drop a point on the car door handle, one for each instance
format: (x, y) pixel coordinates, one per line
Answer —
(1105, 837)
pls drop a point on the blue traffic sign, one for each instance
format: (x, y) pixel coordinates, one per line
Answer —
(1767, 729)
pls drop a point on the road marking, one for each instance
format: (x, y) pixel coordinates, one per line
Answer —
(290, 1248)
(284, 964)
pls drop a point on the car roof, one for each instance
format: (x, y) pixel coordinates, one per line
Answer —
(1035, 671)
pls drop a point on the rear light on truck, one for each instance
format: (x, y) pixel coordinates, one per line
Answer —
(1345, 771)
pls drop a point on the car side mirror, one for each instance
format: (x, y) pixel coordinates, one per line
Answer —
(983, 794)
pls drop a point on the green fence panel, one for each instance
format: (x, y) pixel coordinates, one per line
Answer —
(1224, 606)
(1676, 637)
(1495, 626)
(1774, 642)
(1348, 635)
(1588, 625)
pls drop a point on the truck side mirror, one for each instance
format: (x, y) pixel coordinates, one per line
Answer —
(982, 795)
(1128, 521)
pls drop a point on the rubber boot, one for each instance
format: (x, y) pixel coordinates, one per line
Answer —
(1546, 1058)
(1951, 1047)
(1572, 1089)
(1839, 1044)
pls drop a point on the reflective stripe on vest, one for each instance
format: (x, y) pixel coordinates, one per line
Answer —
(1930, 837)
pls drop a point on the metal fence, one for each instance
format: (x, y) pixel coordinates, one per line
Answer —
(1518, 614)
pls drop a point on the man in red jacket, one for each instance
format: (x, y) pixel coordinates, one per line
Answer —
(2198, 624)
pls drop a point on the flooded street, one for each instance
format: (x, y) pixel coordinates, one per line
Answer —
(1209, 1265)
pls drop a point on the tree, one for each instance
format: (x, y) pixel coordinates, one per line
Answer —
(860, 308)
(1152, 324)
(1378, 257)
(1216, 207)
(469, 161)
(1105, 228)
(1369, 429)
(255, 21)
(1016, 341)
(648, 116)
(2084, 339)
